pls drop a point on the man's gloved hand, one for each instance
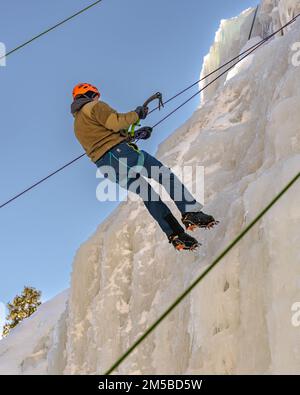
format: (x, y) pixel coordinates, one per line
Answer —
(142, 111)
(143, 133)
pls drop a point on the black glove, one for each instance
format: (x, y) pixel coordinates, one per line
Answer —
(143, 133)
(142, 111)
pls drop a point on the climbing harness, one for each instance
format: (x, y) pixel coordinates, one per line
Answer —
(140, 161)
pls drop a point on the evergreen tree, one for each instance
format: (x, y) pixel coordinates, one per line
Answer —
(21, 307)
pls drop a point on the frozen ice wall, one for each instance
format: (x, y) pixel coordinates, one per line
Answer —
(239, 320)
(274, 14)
(230, 38)
(233, 34)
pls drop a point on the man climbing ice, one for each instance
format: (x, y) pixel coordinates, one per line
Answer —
(103, 133)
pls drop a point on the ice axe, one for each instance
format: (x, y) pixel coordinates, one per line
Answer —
(157, 96)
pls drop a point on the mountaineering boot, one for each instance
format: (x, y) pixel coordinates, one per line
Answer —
(179, 239)
(192, 221)
(183, 241)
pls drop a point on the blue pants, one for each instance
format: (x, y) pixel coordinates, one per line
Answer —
(129, 168)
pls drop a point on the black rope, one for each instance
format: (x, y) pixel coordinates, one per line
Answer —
(207, 85)
(50, 29)
(227, 63)
(42, 180)
(247, 52)
(206, 76)
(253, 22)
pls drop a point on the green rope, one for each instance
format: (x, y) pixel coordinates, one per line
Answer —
(197, 281)
(51, 28)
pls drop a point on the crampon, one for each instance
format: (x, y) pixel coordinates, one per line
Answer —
(184, 242)
(192, 221)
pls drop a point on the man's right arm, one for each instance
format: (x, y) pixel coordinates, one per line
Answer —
(113, 120)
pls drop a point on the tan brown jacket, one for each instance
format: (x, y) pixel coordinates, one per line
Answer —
(97, 127)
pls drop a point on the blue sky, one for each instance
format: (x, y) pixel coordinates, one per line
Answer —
(129, 49)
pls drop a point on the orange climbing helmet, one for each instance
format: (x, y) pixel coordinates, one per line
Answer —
(83, 88)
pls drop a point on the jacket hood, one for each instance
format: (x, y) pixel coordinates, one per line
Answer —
(79, 103)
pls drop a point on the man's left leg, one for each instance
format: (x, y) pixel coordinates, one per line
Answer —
(190, 209)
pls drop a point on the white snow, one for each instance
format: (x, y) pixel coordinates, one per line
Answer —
(239, 319)
(26, 349)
